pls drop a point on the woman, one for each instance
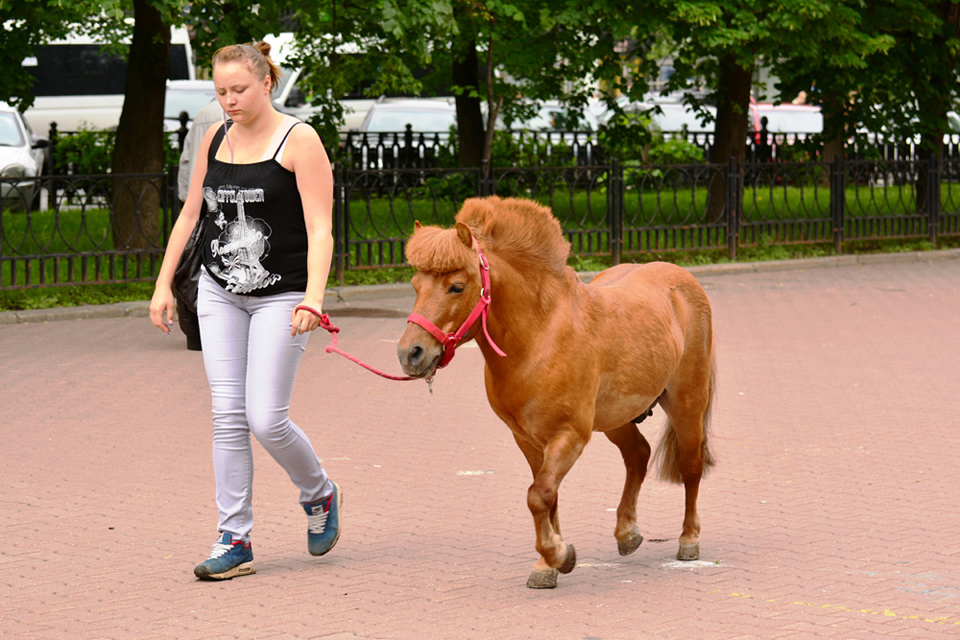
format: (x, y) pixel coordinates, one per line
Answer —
(266, 183)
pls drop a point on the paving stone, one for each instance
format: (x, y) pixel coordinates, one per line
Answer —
(832, 512)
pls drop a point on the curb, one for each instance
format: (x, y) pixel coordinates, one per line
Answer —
(140, 309)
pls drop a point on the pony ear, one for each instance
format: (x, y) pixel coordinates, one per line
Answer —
(465, 235)
(417, 225)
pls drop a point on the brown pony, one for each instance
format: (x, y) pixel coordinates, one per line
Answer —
(579, 358)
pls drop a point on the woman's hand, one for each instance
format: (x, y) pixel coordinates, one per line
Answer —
(162, 302)
(305, 317)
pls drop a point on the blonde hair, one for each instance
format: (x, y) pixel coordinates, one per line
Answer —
(255, 54)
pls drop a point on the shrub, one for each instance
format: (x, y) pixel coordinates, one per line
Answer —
(626, 137)
(89, 151)
(86, 152)
(675, 151)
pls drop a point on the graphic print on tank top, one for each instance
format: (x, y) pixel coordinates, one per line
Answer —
(242, 243)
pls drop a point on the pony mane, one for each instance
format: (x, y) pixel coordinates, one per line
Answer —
(524, 232)
(437, 251)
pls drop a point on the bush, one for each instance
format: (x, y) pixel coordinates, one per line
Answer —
(89, 152)
(675, 151)
(86, 152)
(626, 137)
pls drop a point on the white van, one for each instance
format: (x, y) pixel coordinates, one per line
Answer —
(78, 84)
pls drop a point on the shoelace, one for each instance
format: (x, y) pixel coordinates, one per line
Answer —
(317, 523)
(219, 549)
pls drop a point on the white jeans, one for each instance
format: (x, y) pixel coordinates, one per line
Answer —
(251, 363)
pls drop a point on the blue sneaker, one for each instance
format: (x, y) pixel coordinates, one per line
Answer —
(230, 558)
(323, 523)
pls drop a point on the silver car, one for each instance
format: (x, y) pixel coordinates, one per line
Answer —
(21, 161)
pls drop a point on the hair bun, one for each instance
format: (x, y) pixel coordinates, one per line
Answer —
(263, 48)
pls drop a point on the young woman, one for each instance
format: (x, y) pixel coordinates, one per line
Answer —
(267, 187)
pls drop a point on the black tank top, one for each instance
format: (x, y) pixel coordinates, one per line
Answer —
(255, 238)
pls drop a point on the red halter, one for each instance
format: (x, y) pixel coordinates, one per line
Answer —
(450, 341)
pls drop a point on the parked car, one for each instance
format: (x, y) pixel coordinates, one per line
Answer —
(186, 95)
(21, 159)
(669, 114)
(552, 115)
(424, 115)
(786, 118)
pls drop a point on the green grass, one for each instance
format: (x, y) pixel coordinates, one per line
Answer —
(44, 232)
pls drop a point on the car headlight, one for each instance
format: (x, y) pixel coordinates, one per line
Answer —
(14, 171)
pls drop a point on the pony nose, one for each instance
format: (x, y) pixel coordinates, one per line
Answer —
(411, 356)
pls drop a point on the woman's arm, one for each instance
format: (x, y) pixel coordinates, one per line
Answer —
(310, 163)
(162, 301)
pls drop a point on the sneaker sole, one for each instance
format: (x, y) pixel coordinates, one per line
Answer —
(244, 569)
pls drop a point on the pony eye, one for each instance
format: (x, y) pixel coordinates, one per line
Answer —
(456, 288)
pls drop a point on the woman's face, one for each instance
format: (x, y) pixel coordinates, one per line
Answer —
(241, 95)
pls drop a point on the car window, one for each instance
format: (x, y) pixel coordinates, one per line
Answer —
(555, 119)
(189, 101)
(394, 120)
(10, 134)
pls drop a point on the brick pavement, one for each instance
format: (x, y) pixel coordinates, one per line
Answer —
(832, 513)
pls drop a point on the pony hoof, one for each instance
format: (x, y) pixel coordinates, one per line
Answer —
(543, 579)
(629, 544)
(570, 561)
(688, 552)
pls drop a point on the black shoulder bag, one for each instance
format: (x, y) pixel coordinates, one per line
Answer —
(187, 275)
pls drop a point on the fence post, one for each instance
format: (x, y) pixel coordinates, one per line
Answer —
(933, 198)
(615, 209)
(184, 118)
(339, 223)
(838, 189)
(170, 204)
(52, 158)
(732, 207)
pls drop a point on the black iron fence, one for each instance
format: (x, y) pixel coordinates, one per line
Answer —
(425, 150)
(82, 229)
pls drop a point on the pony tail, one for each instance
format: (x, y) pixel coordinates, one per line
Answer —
(667, 455)
(274, 72)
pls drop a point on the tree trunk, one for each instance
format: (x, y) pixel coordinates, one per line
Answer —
(470, 130)
(834, 132)
(493, 110)
(730, 130)
(934, 87)
(139, 142)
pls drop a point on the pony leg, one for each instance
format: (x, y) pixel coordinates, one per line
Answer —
(683, 451)
(543, 575)
(559, 455)
(636, 453)
(685, 459)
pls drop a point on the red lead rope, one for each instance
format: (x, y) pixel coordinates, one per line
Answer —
(333, 348)
(448, 341)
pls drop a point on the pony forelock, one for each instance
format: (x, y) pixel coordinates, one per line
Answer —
(436, 251)
(524, 229)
